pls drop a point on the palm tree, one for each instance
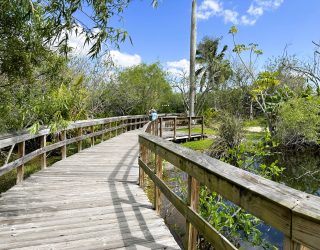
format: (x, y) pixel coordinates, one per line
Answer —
(213, 70)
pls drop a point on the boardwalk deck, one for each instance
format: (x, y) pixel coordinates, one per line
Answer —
(90, 200)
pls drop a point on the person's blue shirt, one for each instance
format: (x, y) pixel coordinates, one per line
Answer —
(154, 116)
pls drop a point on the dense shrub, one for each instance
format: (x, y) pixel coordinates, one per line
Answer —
(230, 134)
(298, 122)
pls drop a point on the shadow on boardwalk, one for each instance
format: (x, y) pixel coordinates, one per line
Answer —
(91, 200)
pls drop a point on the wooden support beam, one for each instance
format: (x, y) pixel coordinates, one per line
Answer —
(102, 126)
(43, 157)
(125, 128)
(64, 147)
(92, 138)
(289, 244)
(110, 133)
(193, 203)
(158, 172)
(189, 128)
(160, 128)
(143, 157)
(79, 142)
(175, 128)
(116, 125)
(20, 169)
(202, 127)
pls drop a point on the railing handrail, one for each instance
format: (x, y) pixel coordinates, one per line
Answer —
(293, 212)
(24, 135)
(115, 124)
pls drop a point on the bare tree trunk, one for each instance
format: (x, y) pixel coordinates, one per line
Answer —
(251, 109)
(193, 44)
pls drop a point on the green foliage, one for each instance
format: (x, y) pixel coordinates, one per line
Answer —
(233, 30)
(298, 121)
(137, 89)
(233, 222)
(209, 115)
(256, 122)
(265, 81)
(22, 32)
(229, 135)
(213, 68)
(250, 156)
(200, 145)
(51, 98)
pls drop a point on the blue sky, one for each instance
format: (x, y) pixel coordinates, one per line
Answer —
(162, 34)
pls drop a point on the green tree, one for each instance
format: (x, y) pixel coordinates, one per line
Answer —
(137, 89)
(214, 69)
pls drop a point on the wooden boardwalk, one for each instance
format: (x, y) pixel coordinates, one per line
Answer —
(90, 200)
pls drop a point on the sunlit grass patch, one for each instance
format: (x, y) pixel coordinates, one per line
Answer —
(200, 145)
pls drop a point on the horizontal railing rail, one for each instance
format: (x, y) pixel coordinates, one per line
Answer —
(296, 214)
(174, 123)
(79, 130)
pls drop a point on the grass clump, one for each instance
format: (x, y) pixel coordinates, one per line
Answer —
(200, 145)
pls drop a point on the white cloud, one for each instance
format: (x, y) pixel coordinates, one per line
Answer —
(245, 20)
(124, 60)
(257, 8)
(230, 16)
(178, 68)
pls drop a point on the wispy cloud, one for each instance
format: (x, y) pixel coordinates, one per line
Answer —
(124, 60)
(210, 8)
(178, 68)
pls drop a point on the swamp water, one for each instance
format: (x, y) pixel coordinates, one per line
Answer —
(302, 172)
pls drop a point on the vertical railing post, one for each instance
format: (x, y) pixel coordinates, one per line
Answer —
(202, 126)
(79, 142)
(189, 127)
(102, 135)
(20, 169)
(92, 138)
(143, 156)
(289, 244)
(124, 125)
(157, 194)
(193, 203)
(175, 128)
(160, 120)
(43, 157)
(110, 127)
(116, 124)
(64, 147)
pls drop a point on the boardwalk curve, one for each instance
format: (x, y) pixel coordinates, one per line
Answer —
(90, 200)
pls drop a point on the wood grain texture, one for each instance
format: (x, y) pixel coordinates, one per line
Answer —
(90, 200)
(293, 212)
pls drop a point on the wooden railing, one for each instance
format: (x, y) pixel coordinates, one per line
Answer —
(175, 122)
(76, 132)
(296, 214)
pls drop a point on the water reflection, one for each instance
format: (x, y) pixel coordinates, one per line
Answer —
(302, 170)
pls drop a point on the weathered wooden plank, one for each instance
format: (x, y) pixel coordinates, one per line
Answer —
(20, 169)
(43, 159)
(270, 201)
(294, 213)
(193, 203)
(78, 201)
(211, 234)
(15, 138)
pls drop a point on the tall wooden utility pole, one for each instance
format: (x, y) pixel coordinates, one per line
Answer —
(193, 45)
